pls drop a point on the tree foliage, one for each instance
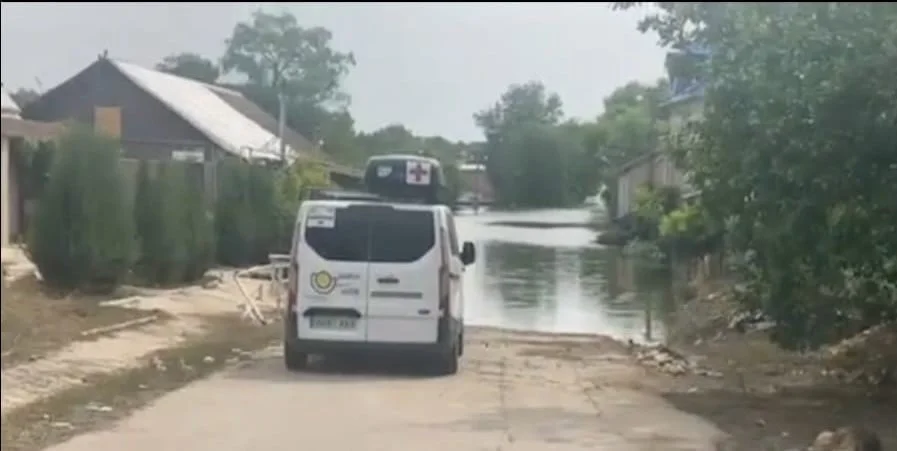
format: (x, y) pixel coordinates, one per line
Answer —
(83, 233)
(24, 96)
(522, 142)
(633, 124)
(190, 65)
(273, 50)
(292, 185)
(797, 154)
(246, 214)
(174, 229)
(577, 157)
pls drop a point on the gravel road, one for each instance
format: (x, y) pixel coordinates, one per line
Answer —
(515, 391)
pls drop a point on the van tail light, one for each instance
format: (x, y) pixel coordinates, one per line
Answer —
(292, 278)
(444, 279)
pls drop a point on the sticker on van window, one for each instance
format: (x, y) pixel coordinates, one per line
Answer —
(321, 217)
(384, 171)
(322, 282)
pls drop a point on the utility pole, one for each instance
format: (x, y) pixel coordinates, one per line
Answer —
(281, 125)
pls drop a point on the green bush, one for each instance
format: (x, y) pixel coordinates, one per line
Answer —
(83, 233)
(256, 208)
(232, 221)
(245, 214)
(200, 234)
(173, 226)
(291, 186)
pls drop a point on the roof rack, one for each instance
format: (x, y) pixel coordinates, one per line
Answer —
(385, 181)
(345, 195)
(336, 194)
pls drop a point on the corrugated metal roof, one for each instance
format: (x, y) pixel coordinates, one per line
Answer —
(198, 104)
(270, 123)
(9, 106)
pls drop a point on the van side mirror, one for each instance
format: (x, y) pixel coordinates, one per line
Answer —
(468, 253)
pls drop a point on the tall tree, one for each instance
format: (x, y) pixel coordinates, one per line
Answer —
(528, 103)
(798, 135)
(278, 56)
(525, 148)
(631, 124)
(273, 50)
(190, 65)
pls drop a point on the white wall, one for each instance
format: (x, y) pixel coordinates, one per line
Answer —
(4, 193)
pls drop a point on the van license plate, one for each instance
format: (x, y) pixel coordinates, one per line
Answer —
(330, 322)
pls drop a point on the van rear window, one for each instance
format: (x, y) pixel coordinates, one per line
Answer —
(374, 233)
(401, 236)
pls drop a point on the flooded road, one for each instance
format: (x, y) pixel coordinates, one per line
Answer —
(541, 270)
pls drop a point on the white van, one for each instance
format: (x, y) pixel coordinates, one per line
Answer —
(368, 275)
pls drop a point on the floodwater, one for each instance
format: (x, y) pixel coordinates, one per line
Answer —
(542, 270)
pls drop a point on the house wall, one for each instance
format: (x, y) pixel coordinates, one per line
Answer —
(628, 184)
(682, 113)
(14, 200)
(5, 200)
(657, 171)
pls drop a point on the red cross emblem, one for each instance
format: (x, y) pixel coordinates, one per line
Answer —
(418, 172)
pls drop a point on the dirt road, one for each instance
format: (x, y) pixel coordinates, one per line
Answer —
(515, 392)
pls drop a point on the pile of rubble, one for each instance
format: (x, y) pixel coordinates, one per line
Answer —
(869, 357)
(847, 439)
(669, 361)
(16, 264)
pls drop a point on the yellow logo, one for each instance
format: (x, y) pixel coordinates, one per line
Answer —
(323, 282)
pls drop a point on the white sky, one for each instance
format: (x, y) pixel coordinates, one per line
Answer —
(428, 66)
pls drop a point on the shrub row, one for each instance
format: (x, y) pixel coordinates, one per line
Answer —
(91, 232)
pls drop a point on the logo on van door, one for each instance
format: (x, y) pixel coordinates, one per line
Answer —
(322, 282)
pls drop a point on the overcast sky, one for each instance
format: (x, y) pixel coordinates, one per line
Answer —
(428, 66)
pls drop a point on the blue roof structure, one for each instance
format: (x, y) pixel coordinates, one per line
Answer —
(684, 89)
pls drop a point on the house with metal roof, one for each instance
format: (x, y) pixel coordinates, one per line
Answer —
(160, 116)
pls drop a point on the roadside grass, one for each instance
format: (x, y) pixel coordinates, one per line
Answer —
(36, 321)
(105, 399)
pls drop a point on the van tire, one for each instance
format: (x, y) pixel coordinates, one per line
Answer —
(461, 342)
(447, 363)
(293, 360)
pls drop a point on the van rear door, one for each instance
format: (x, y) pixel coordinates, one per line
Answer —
(403, 287)
(332, 283)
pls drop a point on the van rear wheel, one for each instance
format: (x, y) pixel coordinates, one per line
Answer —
(447, 363)
(294, 360)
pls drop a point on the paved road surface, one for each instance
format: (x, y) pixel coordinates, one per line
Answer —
(515, 393)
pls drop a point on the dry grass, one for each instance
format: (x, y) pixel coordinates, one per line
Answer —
(103, 400)
(36, 321)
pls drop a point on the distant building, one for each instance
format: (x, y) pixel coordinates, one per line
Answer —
(657, 168)
(475, 183)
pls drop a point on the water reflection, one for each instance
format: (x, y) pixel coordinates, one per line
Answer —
(555, 279)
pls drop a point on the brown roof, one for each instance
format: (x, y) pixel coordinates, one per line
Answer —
(24, 128)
